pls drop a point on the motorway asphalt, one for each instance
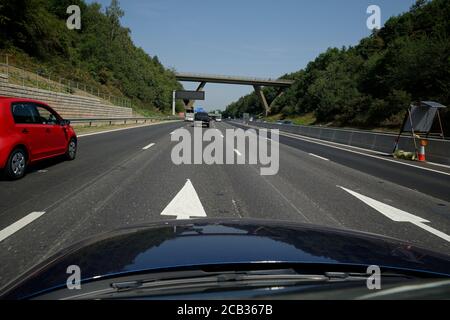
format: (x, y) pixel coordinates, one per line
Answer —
(127, 177)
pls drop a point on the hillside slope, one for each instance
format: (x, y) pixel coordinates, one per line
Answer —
(372, 84)
(101, 53)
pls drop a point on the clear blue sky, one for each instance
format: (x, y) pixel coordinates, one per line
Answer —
(261, 38)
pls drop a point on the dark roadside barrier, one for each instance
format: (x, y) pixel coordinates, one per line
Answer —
(438, 150)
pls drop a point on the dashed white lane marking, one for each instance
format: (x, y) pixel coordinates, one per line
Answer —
(148, 147)
(221, 135)
(185, 204)
(319, 157)
(237, 152)
(16, 226)
(398, 215)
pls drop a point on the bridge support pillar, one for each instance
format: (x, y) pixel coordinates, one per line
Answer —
(262, 99)
(189, 104)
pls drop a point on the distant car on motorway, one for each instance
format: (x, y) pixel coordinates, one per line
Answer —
(285, 122)
(189, 116)
(209, 259)
(31, 131)
(203, 118)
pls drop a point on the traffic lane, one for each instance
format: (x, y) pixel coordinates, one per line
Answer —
(97, 155)
(69, 219)
(306, 179)
(144, 196)
(321, 181)
(434, 184)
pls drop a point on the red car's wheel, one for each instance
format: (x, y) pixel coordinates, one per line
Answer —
(16, 166)
(71, 149)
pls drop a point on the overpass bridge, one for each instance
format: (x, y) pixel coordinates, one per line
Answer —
(257, 84)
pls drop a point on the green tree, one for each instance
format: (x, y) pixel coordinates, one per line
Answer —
(114, 14)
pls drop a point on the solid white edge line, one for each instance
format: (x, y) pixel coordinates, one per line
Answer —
(361, 153)
(335, 145)
(438, 164)
(16, 226)
(319, 157)
(327, 144)
(148, 146)
(121, 129)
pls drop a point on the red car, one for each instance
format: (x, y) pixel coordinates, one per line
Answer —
(30, 131)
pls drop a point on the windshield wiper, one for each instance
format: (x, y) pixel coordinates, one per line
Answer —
(195, 281)
(188, 281)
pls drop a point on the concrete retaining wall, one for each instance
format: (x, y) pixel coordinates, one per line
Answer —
(3, 77)
(437, 151)
(68, 106)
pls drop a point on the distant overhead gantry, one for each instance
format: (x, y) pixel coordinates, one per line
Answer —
(257, 84)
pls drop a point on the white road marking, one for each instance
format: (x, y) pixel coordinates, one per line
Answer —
(404, 288)
(439, 164)
(397, 215)
(122, 129)
(319, 157)
(221, 135)
(16, 226)
(186, 204)
(336, 145)
(42, 171)
(313, 140)
(149, 146)
(238, 153)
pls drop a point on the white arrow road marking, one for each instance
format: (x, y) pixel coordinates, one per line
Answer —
(397, 215)
(16, 226)
(186, 204)
(148, 147)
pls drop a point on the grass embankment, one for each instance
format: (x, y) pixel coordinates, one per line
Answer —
(306, 119)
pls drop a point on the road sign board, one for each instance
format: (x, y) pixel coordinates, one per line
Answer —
(190, 95)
